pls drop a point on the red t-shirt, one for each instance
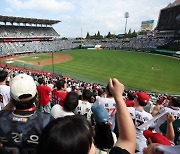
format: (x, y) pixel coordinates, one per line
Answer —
(129, 103)
(58, 97)
(43, 94)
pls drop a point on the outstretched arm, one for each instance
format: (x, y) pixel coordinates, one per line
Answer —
(127, 133)
(170, 130)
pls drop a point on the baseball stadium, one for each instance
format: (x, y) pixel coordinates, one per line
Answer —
(147, 62)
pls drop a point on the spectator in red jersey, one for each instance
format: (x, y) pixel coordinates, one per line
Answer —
(67, 135)
(130, 100)
(59, 93)
(162, 101)
(44, 96)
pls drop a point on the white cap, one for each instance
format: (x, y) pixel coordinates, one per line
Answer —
(22, 84)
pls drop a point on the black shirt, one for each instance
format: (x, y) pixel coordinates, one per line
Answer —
(118, 150)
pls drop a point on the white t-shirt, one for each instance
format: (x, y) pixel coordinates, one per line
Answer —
(4, 95)
(110, 105)
(175, 111)
(50, 85)
(57, 111)
(84, 108)
(139, 117)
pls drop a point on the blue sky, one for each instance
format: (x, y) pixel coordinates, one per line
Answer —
(90, 15)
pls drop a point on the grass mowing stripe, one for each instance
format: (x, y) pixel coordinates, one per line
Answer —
(134, 69)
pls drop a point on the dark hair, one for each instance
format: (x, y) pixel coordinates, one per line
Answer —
(73, 88)
(130, 96)
(26, 104)
(92, 98)
(101, 91)
(103, 136)
(108, 90)
(60, 84)
(71, 101)
(40, 80)
(66, 135)
(87, 94)
(176, 102)
(142, 103)
(3, 75)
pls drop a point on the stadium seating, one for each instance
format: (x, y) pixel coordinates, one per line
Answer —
(26, 31)
(10, 48)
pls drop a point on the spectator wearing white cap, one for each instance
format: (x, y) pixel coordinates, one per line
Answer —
(22, 127)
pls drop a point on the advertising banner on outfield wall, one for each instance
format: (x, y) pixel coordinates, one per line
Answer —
(147, 25)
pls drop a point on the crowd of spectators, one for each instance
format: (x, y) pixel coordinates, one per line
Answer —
(26, 31)
(31, 32)
(106, 121)
(139, 44)
(130, 43)
(11, 48)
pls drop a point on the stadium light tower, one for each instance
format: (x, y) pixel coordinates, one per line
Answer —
(126, 15)
(81, 37)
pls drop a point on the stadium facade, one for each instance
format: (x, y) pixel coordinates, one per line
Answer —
(169, 20)
(169, 26)
(28, 35)
(31, 35)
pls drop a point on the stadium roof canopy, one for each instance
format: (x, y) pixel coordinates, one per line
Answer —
(175, 3)
(27, 20)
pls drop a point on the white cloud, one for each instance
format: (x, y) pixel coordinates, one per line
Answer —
(109, 15)
(41, 5)
(91, 15)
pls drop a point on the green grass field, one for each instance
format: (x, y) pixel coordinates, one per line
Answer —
(133, 69)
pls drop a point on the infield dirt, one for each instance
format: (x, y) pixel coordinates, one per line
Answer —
(57, 58)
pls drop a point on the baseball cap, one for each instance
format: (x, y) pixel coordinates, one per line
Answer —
(142, 97)
(22, 84)
(100, 113)
(156, 137)
(101, 91)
